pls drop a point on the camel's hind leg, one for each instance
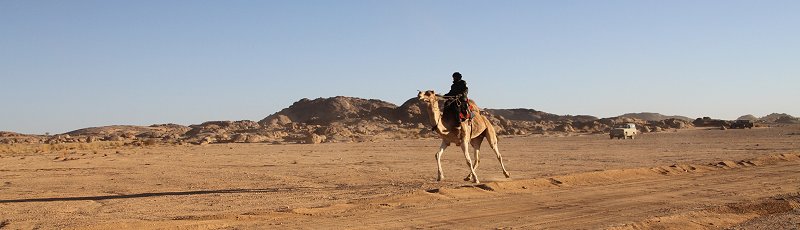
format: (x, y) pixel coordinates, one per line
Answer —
(476, 146)
(492, 136)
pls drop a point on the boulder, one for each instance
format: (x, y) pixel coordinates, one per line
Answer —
(239, 138)
(205, 141)
(566, 127)
(314, 139)
(254, 138)
(278, 120)
(114, 138)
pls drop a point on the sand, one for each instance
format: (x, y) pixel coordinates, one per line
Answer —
(687, 179)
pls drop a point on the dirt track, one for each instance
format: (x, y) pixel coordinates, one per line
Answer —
(702, 179)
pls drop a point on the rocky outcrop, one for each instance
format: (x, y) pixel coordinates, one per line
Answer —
(647, 116)
(168, 133)
(708, 122)
(327, 110)
(748, 117)
(344, 119)
(787, 120)
(18, 138)
(536, 116)
(774, 117)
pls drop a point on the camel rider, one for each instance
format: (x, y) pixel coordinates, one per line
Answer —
(458, 92)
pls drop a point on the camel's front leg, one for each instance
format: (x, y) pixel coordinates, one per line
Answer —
(444, 145)
(465, 148)
(474, 164)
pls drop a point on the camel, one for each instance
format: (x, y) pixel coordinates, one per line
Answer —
(471, 132)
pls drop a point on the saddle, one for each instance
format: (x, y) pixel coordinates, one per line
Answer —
(464, 110)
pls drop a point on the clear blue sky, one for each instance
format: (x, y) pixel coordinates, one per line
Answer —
(66, 65)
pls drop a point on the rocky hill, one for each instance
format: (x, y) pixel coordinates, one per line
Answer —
(772, 118)
(788, 120)
(9, 134)
(748, 117)
(710, 122)
(779, 118)
(534, 115)
(327, 110)
(647, 116)
(164, 131)
(13, 138)
(348, 119)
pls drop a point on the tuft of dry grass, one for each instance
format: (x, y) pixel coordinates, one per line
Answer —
(48, 148)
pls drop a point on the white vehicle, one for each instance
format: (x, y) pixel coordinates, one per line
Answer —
(623, 131)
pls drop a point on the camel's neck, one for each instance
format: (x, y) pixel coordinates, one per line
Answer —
(436, 118)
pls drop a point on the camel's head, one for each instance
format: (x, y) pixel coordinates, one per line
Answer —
(427, 96)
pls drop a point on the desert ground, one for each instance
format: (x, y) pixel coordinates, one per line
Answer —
(695, 178)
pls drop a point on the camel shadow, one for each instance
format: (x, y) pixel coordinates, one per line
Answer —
(143, 195)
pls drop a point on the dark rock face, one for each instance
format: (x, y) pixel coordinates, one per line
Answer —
(708, 122)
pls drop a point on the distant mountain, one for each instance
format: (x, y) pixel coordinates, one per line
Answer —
(346, 119)
(534, 115)
(654, 116)
(134, 130)
(10, 134)
(748, 117)
(328, 110)
(775, 117)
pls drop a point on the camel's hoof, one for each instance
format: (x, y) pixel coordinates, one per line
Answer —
(507, 175)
